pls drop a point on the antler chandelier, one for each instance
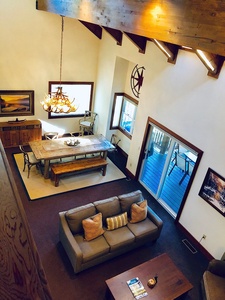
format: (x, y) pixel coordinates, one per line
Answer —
(58, 102)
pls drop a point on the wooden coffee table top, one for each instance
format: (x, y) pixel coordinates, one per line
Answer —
(171, 281)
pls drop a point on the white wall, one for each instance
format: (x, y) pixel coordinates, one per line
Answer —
(30, 55)
(181, 97)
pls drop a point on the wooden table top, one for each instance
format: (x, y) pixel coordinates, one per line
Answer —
(58, 148)
(170, 285)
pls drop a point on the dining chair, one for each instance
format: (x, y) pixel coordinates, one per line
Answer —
(181, 163)
(87, 122)
(114, 141)
(29, 160)
(51, 135)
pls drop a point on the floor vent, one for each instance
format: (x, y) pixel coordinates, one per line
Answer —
(189, 246)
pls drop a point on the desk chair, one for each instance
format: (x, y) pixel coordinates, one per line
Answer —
(87, 122)
(29, 160)
(51, 135)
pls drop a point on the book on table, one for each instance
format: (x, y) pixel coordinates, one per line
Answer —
(137, 288)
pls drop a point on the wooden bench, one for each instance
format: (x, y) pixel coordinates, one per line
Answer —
(77, 165)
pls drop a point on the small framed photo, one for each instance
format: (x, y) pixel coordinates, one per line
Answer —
(16, 103)
(213, 190)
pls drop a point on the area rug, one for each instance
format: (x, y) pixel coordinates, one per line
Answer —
(38, 187)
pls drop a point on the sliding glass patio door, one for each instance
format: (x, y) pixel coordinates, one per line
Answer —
(166, 169)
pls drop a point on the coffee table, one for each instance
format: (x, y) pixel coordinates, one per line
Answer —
(171, 283)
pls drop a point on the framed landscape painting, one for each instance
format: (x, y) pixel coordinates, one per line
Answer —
(16, 103)
(213, 190)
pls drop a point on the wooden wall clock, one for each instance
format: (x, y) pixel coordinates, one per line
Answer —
(136, 80)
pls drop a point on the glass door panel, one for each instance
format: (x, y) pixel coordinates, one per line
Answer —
(155, 159)
(166, 169)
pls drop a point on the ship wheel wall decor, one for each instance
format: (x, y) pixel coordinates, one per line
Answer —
(136, 80)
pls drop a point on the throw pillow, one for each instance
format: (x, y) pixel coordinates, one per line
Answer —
(138, 211)
(117, 221)
(92, 227)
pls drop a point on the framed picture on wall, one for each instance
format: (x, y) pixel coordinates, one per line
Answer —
(80, 92)
(16, 103)
(213, 190)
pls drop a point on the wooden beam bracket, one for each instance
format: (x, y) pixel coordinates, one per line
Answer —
(116, 34)
(139, 41)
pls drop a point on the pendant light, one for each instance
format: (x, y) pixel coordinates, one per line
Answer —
(57, 102)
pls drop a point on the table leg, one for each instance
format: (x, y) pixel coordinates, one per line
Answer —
(104, 155)
(46, 168)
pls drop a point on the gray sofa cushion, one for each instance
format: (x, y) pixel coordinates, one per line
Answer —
(75, 216)
(126, 200)
(118, 238)
(214, 286)
(93, 248)
(142, 229)
(108, 207)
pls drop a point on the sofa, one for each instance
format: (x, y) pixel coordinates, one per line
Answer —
(213, 282)
(104, 229)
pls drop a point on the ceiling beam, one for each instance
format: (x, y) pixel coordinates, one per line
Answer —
(96, 29)
(194, 23)
(116, 34)
(169, 50)
(137, 40)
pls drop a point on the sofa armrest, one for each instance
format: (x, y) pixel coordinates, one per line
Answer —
(217, 267)
(69, 243)
(154, 218)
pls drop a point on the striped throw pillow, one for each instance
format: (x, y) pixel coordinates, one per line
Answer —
(117, 221)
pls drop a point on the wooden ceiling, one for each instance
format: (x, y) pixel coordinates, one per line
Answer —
(198, 24)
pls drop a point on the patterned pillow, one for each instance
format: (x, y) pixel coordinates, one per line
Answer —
(138, 211)
(117, 221)
(92, 227)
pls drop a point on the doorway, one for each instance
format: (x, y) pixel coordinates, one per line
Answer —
(168, 167)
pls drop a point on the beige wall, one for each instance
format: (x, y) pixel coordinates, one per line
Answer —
(30, 55)
(181, 97)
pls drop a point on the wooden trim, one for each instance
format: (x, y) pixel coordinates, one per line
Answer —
(194, 242)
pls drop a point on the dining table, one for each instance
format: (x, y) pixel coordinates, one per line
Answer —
(47, 150)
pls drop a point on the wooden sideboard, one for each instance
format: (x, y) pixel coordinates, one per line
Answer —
(17, 133)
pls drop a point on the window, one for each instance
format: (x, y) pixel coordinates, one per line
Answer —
(80, 91)
(124, 113)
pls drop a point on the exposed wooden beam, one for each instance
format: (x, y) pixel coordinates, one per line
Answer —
(169, 50)
(211, 61)
(194, 23)
(139, 41)
(116, 34)
(96, 29)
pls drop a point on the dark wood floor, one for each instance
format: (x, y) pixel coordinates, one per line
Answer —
(90, 284)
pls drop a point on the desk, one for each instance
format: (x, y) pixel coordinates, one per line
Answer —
(52, 149)
(171, 281)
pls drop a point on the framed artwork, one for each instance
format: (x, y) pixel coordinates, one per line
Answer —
(16, 103)
(213, 190)
(81, 92)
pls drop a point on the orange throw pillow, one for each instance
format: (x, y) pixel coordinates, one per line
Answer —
(93, 227)
(138, 211)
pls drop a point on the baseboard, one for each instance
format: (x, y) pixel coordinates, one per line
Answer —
(195, 242)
